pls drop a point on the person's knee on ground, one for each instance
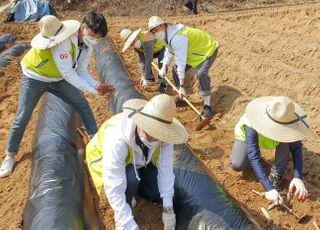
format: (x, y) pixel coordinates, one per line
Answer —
(238, 157)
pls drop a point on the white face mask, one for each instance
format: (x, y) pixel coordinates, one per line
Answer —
(138, 44)
(89, 41)
(149, 144)
(161, 35)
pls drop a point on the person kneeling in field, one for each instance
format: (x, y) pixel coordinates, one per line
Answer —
(133, 152)
(271, 123)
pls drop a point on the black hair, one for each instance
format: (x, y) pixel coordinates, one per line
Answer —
(96, 22)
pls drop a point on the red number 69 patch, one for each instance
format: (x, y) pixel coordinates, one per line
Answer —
(63, 56)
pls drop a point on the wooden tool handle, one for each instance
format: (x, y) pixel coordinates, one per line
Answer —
(175, 88)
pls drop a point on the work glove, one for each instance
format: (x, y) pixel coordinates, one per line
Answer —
(104, 89)
(145, 83)
(274, 196)
(162, 71)
(168, 218)
(182, 92)
(297, 187)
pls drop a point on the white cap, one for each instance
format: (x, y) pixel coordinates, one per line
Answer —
(155, 21)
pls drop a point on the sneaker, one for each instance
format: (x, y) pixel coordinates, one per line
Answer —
(207, 111)
(276, 181)
(162, 88)
(7, 166)
(180, 103)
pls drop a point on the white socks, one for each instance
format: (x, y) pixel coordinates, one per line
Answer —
(207, 100)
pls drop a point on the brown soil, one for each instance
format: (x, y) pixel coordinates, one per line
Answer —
(272, 51)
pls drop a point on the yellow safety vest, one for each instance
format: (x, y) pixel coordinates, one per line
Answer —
(94, 152)
(263, 142)
(158, 46)
(42, 62)
(201, 45)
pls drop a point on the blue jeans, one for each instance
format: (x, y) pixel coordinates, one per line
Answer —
(147, 187)
(31, 91)
(202, 74)
(145, 63)
(239, 157)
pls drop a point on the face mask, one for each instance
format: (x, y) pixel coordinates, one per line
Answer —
(150, 144)
(137, 45)
(161, 35)
(89, 41)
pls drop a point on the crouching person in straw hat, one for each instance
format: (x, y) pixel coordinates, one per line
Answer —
(133, 152)
(194, 50)
(146, 48)
(57, 63)
(271, 123)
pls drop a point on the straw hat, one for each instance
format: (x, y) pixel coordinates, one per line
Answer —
(156, 118)
(155, 21)
(277, 118)
(53, 32)
(128, 37)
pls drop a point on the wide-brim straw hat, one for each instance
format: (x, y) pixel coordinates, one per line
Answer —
(53, 31)
(277, 118)
(156, 118)
(128, 37)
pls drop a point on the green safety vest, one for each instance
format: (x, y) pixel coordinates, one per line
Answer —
(94, 152)
(158, 46)
(263, 142)
(42, 62)
(201, 45)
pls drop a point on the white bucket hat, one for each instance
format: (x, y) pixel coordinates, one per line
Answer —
(156, 118)
(155, 21)
(128, 37)
(53, 31)
(277, 118)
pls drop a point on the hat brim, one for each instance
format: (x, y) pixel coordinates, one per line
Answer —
(173, 133)
(154, 26)
(130, 39)
(260, 121)
(69, 28)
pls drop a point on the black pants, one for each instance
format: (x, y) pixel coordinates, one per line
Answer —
(192, 5)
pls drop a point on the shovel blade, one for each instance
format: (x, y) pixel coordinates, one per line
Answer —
(202, 124)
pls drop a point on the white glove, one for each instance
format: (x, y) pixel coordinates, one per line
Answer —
(168, 218)
(182, 92)
(162, 71)
(145, 83)
(297, 187)
(274, 196)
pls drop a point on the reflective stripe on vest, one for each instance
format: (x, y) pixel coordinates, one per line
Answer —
(158, 46)
(240, 134)
(42, 62)
(94, 153)
(201, 45)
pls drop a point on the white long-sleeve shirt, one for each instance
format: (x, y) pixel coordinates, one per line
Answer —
(115, 150)
(78, 76)
(177, 45)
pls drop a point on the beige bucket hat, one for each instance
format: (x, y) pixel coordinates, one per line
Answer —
(277, 118)
(128, 37)
(53, 31)
(156, 118)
